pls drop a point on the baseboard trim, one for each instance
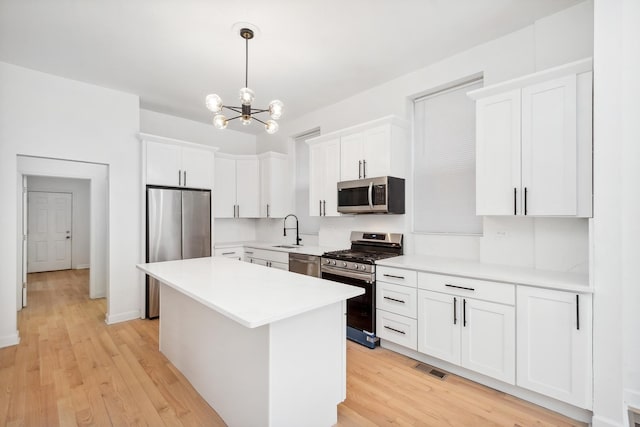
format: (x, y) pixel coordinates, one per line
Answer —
(82, 266)
(9, 340)
(110, 319)
(599, 421)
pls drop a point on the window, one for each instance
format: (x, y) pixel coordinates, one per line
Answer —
(444, 162)
(308, 224)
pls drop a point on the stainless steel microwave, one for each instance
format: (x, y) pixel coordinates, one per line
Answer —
(383, 194)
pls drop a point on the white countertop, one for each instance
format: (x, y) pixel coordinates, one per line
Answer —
(250, 294)
(574, 282)
(272, 246)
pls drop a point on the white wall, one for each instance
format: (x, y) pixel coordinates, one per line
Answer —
(228, 140)
(616, 229)
(79, 188)
(48, 116)
(554, 40)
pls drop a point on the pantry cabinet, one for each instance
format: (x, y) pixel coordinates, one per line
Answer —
(555, 344)
(468, 322)
(174, 163)
(534, 144)
(324, 174)
(237, 192)
(275, 187)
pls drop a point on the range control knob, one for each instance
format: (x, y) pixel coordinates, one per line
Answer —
(362, 267)
(354, 266)
(333, 262)
(344, 264)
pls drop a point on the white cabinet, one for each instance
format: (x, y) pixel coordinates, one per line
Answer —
(534, 144)
(396, 301)
(235, 252)
(378, 151)
(554, 344)
(236, 193)
(460, 327)
(274, 259)
(275, 187)
(174, 163)
(324, 174)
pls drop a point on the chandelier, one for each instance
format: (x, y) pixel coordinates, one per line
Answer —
(245, 111)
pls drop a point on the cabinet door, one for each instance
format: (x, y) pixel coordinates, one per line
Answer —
(554, 344)
(376, 152)
(163, 164)
(274, 188)
(316, 178)
(248, 188)
(489, 339)
(549, 147)
(331, 177)
(198, 168)
(498, 155)
(439, 320)
(224, 190)
(351, 156)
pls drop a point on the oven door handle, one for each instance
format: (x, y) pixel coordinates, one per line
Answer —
(370, 194)
(367, 278)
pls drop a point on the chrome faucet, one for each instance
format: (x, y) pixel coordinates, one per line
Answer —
(298, 239)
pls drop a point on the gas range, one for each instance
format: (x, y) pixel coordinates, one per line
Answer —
(356, 267)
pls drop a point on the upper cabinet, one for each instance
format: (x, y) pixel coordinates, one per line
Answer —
(324, 174)
(275, 187)
(174, 163)
(534, 144)
(237, 190)
(372, 149)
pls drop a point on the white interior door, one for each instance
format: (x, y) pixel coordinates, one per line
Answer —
(24, 240)
(49, 231)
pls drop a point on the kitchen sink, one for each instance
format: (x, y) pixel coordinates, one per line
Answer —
(285, 246)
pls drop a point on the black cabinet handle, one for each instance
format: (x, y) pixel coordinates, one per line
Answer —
(395, 300)
(319, 207)
(578, 312)
(525, 200)
(459, 287)
(395, 277)
(359, 169)
(464, 313)
(267, 210)
(395, 330)
(184, 174)
(324, 208)
(179, 178)
(364, 168)
(228, 253)
(455, 311)
(515, 201)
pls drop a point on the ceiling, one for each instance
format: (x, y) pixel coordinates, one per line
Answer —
(307, 53)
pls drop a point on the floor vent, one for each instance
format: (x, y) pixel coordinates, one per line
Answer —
(431, 371)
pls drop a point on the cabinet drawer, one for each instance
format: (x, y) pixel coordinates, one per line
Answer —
(397, 276)
(398, 329)
(237, 252)
(503, 293)
(277, 256)
(397, 299)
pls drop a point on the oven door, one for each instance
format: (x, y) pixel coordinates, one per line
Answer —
(361, 310)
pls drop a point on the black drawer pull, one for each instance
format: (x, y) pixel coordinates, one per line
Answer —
(394, 276)
(455, 313)
(228, 253)
(395, 330)
(459, 287)
(396, 300)
(578, 312)
(248, 252)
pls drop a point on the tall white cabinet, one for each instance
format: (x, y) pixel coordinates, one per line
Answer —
(534, 144)
(324, 174)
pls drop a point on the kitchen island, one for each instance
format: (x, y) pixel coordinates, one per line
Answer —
(263, 347)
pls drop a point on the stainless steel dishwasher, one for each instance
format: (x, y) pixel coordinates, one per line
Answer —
(304, 264)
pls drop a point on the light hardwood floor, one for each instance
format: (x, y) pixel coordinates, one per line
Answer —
(70, 368)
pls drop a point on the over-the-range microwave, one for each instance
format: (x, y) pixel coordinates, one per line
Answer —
(384, 194)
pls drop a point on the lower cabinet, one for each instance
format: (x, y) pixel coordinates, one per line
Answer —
(554, 344)
(236, 252)
(275, 259)
(468, 322)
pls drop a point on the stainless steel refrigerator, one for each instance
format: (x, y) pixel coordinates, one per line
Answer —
(178, 227)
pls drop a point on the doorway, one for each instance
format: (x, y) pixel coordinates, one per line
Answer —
(48, 231)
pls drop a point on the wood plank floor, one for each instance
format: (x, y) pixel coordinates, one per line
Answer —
(70, 369)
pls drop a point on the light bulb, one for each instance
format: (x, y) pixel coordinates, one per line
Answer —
(220, 121)
(214, 103)
(271, 126)
(275, 109)
(246, 120)
(246, 96)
